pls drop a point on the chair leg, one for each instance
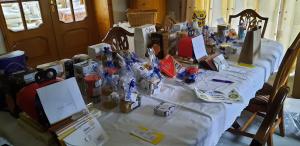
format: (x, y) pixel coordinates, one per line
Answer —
(270, 140)
(249, 122)
(236, 125)
(240, 133)
(281, 124)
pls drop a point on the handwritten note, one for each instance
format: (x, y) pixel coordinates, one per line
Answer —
(199, 47)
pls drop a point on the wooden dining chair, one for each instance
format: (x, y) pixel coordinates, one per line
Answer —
(169, 22)
(118, 38)
(251, 19)
(266, 130)
(264, 97)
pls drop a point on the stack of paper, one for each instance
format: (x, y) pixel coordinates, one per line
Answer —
(85, 131)
(67, 113)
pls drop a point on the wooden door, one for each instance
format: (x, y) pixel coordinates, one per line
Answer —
(27, 26)
(104, 16)
(74, 25)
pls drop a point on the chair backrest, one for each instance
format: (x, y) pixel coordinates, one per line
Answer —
(251, 19)
(169, 23)
(286, 65)
(266, 126)
(118, 38)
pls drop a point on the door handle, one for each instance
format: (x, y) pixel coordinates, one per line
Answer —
(52, 5)
(52, 2)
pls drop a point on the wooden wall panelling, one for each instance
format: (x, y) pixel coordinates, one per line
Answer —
(174, 9)
(183, 10)
(190, 6)
(104, 16)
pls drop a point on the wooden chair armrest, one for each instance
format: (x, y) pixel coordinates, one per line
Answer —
(265, 90)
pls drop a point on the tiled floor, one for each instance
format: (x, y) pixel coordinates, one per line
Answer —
(290, 139)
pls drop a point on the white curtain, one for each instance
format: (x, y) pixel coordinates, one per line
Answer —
(284, 15)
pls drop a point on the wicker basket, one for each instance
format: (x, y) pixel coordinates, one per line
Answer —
(141, 17)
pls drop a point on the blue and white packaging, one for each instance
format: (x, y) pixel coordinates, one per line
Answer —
(12, 62)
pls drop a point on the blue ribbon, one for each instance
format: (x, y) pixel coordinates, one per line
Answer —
(157, 72)
(181, 75)
(131, 86)
(134, 57)
(110, 64)
(107, 50)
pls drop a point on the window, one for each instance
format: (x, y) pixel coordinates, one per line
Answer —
(21, 15)
(282, 24)
(32, 12)
(70, 10)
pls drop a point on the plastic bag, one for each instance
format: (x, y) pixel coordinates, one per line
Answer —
(127, 85)
(4, 142)
(147, 73)
(292, 117)
(292, 123)
(109, 97)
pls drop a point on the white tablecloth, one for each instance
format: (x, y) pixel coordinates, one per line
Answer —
(195, 122)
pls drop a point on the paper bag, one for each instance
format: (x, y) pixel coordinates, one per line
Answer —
(251, 47)
(142, 38)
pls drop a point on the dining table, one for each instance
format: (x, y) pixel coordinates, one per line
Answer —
(195, 121)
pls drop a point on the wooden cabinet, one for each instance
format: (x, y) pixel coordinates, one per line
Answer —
(160, 5)
(181, 10)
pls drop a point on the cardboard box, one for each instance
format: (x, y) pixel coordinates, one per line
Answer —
(142, 38)
(85, 68)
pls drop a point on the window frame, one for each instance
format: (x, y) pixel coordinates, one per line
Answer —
(23, 18)
(72, 12)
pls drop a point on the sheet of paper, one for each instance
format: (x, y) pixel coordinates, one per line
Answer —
(199, 47)
(61, 100)
(90, 133)
(220, 62)
(235, 69)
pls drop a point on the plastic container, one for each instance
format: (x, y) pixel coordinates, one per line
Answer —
(109, 99)
(93, 86)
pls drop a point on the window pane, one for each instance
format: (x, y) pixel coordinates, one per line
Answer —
(79, 10)
(12, 15)
(32, 14)
(64, 11)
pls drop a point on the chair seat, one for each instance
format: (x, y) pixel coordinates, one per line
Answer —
(265, 90)
(258, 104)
(262, 96)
